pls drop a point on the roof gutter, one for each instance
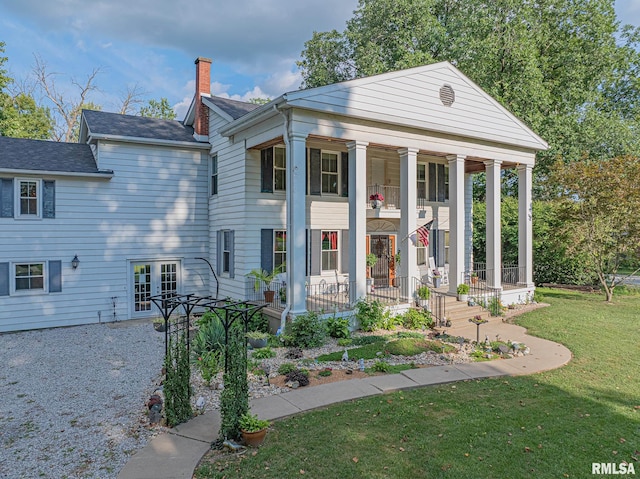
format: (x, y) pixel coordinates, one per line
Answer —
(148, 141)
(100, 174)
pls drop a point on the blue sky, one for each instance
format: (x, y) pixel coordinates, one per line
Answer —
(254, 44)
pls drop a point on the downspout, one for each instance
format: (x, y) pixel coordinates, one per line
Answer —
(285, 313)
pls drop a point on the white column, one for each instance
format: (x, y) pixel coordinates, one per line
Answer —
(525, 225)
(494, 232)
(468, 222)
(408, 198)
(357, 219)
(456, 220)
(296, 223)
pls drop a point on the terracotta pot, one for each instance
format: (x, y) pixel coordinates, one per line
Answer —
(254, 439)
(269, 295)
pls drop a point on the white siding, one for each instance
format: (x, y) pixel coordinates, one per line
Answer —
(154, 208)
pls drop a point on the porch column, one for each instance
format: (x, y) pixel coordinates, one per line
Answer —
(456, 220)
(468, 222)
(494, 232)
(525, 226)
(357, 219)
(296, 223)
(408, 198)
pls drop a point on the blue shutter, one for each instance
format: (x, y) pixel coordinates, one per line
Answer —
(345, 252)
(316, 251)
(232, 254)
(55, 276)
(345, 173)
(6, 198)
(440, 245)
(432, 182)
(315, 167)
(266, 169)
(4, 279)
(266, 250)
(48, 199)
(441, 179)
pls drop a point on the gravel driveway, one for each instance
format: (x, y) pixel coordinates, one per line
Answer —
(71, 399)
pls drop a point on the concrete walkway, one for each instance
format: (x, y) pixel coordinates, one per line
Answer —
(176, 454)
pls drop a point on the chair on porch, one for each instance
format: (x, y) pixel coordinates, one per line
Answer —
(342, 286)
(445, 274)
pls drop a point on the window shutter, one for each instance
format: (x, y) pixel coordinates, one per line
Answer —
(48, 199)
(316, 251)
(4, 279)
(266, 250)
(441, 182)
(232, 254)
(440, 245)
(55, 276)
(307, 262)
(432, 182)
(266, 161)
(345, 174)
(6, 198)
(219, 241)
(315, 178)
(345, 252)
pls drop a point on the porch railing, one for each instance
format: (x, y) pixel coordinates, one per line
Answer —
(391, 195)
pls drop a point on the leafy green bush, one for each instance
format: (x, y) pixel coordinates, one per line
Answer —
(363, 340)
(380, 367)
(417, 319)
(286, 368)
(495, 306)
(209, 364)
(210, 336)
(259, 322)
(338, 327)
(370, 314)
(305, 331)
(263, 353)
(345, 342)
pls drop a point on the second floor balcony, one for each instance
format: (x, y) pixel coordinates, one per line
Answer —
(389, 205)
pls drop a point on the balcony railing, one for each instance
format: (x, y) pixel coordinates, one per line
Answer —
(391, 195)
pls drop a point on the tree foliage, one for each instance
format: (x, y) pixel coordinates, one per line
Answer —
(601, 200)
(565, 67)
(158, 109)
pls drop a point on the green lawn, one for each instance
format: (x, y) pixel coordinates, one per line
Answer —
(549, 425)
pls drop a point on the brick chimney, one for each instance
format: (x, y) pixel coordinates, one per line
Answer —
(203, 85)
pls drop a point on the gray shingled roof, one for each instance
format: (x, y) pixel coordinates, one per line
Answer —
(104, 123)
(234, 108)
(18, 153)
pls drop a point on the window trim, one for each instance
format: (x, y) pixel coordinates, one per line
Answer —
(337, 173)
(17, 199)
(275, 250)
(226, 251)
(336, 251)
(277, 168)
(213, 175)
(30, 291)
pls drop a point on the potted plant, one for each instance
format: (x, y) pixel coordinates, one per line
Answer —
(463, 292)
(159, 325)
(424, 293)
(372, 259)
(253, 429)
(260, 276)
(257, 339)
(376, 200)
(437, 278)
(474, 278)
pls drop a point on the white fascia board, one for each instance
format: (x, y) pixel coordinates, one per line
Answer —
(102, 175)
(256, 116)
(189, 118)
(216, 109)
(149, 141)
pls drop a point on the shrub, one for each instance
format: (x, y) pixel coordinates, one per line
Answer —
(370, 314)
(209, 364)
(423, 292)
(338, 327)
(345, 342)
(415, 319)
(263, 353)
(210, 335)
(234, 399)
(258, 322)
(325, 373)
(463, 288)
(300, 376)
(286, 368)
(495, 306)
(380, 367)
(306, 331)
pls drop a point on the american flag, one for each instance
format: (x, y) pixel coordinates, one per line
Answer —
(422, 234)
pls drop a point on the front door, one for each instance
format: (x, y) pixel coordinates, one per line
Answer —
(150, 278)
(381, 247)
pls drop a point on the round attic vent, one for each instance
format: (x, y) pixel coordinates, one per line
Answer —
(447, 95)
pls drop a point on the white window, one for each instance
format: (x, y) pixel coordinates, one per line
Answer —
(421, 181)
(29, 277)
(280, 250)
(329, 172)
(329, 250)
(28, 193)
(214, 175)
(279, 169)
(422, 252)
(226, 251)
